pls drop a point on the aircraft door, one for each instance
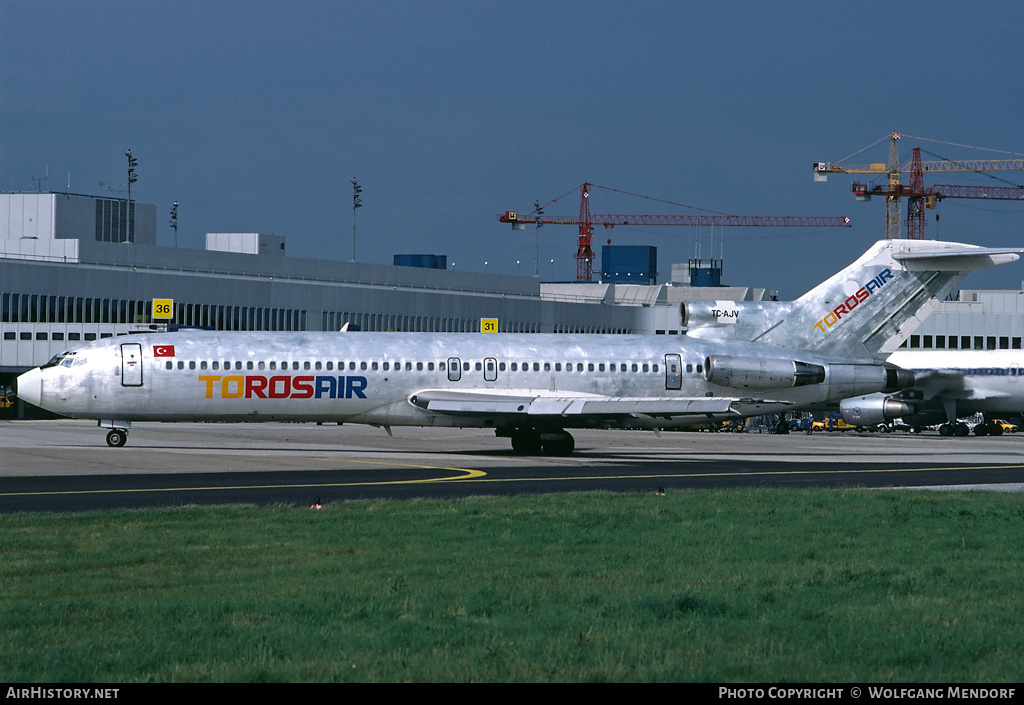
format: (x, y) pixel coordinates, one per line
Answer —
(131, 365)
(490, 369)
(454, 369)
(673, 372)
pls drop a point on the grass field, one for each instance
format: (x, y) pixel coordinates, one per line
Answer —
(748, 585)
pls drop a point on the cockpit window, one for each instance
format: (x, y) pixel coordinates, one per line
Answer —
(54, 361)
(65, 359)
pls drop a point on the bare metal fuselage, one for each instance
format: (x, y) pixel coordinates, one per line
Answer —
(377, 378)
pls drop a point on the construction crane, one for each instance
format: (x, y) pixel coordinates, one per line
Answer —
(918, 196)
(586, 222)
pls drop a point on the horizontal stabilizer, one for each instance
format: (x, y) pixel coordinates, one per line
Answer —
(957, 259)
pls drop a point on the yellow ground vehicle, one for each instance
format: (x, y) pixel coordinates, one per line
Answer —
(832, 424)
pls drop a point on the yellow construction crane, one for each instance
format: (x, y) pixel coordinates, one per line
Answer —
(919, 197)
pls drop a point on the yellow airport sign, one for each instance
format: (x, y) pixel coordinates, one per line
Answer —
(488, 325)
(163, 308)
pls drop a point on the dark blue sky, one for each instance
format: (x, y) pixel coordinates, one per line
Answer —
(255, 116)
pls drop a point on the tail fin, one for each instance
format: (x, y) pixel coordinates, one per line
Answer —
(871, 306)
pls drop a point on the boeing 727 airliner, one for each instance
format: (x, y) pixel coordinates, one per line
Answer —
(531, 388)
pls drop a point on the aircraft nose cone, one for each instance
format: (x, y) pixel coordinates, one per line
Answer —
(30, 387)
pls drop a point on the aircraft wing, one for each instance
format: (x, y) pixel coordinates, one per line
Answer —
(534, 403)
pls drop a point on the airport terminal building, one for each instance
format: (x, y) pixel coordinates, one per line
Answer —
(75, 268)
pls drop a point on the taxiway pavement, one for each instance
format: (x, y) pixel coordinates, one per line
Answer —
(66, 465)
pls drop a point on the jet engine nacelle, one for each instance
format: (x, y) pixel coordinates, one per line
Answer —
(843, 380)
(873, 409)
(697, 314)
(760, 373)
(850, 380)
(728, 320)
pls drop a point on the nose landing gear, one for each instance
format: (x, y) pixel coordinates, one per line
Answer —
(117, 438)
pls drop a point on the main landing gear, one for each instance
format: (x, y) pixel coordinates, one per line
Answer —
(530, 441)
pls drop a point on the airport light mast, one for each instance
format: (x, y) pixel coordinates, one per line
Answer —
(174, 222)
(357, 202)
(132, 178)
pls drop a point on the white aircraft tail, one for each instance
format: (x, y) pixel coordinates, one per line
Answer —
(866, 310)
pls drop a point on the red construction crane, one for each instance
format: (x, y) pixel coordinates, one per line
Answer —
(919, 197)
(586, 223)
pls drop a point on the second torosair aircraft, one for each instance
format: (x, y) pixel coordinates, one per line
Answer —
(530, 388)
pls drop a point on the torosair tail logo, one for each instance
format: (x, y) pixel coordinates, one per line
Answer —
(855, 299)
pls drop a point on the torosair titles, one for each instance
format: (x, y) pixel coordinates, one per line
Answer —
(855, 299)
(284, 387)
